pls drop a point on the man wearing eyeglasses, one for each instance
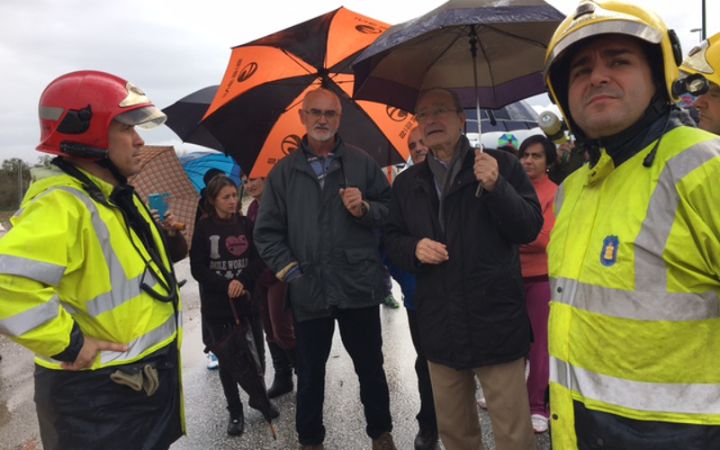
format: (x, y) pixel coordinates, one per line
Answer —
(457, 221)
(317, 230)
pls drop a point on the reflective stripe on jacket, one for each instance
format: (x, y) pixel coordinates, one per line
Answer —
(634, 263)
(69, 258)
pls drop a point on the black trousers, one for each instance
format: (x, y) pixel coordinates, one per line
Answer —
(87, 410)
(361, 336)
(426, 416)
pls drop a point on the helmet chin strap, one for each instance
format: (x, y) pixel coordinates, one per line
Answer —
(98, 155)
(109, 165)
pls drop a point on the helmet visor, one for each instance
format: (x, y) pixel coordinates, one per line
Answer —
(147, 117)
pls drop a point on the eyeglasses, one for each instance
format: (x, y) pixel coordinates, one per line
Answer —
(414, 144)
(424, 116)
(317, 113)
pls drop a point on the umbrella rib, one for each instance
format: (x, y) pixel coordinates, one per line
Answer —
(441, 53)
(507, 33)
(484, 52)
(487, 61)
(297, 60)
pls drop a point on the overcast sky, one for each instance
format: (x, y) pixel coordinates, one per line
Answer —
(172, 48)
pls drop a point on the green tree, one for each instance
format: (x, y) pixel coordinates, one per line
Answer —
(45, 161)
(14, 181)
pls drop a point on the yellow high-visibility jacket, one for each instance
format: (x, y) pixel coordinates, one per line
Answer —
(69, 258)
(634, 262)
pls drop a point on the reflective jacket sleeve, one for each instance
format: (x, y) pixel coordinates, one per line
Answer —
(34, 256)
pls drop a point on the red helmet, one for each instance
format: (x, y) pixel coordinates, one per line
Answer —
(77, 108)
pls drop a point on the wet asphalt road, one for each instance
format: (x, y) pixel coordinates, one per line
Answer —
(205, 403)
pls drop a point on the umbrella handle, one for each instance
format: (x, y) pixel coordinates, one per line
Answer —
(479, 191)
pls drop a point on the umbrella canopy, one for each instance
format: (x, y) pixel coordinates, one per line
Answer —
(184, 116)
(162, 173)
(254, 115)
(497, 46)
(515, 116)
(196, 165)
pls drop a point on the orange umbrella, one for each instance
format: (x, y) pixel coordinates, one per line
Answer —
(254, 115)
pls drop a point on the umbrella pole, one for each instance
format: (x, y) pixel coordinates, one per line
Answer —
(473, 52)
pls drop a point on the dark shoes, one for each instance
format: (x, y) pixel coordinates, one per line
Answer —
(390, 302)
(312, 447)
(426, 440)
(283, 362)
(236, 426)
(282, 384)
(268, 410)
(383, 442)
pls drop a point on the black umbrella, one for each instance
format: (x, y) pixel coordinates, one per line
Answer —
(237, 353)
(185, 116)
(491, 52)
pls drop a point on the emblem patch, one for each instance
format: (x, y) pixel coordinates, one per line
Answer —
(609, 252)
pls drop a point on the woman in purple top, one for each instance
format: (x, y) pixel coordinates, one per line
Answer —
(270, 293)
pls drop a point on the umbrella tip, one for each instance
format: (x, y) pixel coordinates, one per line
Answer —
(272, 430)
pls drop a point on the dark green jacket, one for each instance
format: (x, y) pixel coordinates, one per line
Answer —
(337, 253)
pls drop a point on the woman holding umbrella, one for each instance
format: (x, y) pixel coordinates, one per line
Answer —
(226, 265)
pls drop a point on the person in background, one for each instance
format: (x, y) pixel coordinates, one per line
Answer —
(201, 212)
(224, 261)
(705, 60)
(202, 202)
(509, 143)
(463, 249)
(418, 149)
(537, 154)
(271, 294)
(570, 157)
(388, 298)
(633, 255)
(427, 436)
(317, 229)
(86, 280)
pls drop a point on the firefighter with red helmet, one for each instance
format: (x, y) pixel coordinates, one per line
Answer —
(86, 280)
